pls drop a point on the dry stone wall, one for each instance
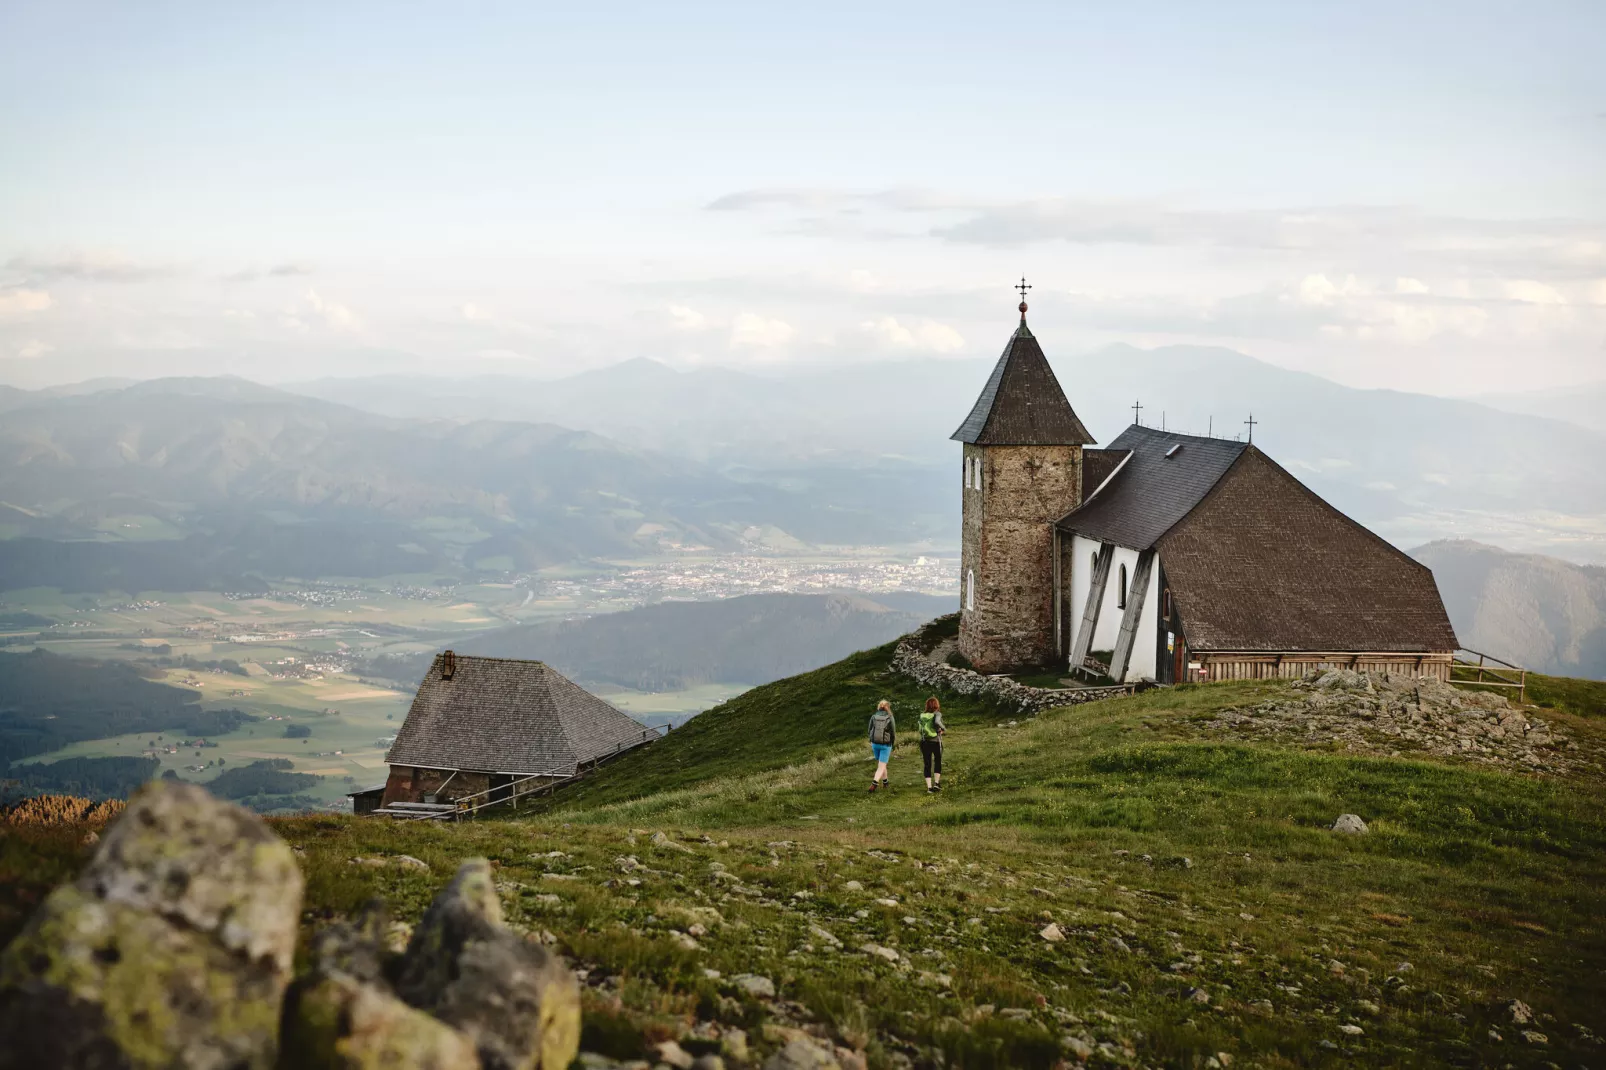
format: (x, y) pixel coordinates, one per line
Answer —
(913, 658)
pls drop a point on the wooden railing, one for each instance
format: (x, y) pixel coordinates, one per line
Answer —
(1488, 671)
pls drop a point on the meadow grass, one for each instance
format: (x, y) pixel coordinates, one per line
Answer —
(1206, 905)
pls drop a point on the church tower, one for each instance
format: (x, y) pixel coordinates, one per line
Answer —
(1022, 471)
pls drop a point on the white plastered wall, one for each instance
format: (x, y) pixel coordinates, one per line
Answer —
(1141, 664)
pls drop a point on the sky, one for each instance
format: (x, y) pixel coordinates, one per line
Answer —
(1404, 195)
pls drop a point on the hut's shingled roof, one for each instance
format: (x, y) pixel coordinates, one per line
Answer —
(1022, 403)
(500, 715)
(1264, 564)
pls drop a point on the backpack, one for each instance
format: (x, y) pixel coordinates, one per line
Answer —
(881, 727)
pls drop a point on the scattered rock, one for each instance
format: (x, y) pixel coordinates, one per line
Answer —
(754, 985)
(1351, 1030)
(172, 948)
(409, 862)
(853, 886)
(879, 952)
(673, 1054)
(1077, 1046)
(516, 1001)
(1350, 823)
(661, 840)
(1197, 995)
(803, 1053)
(1179, 862)
(822, 933)
(1519, 1012)
(1052, 933)
(1534, 1037)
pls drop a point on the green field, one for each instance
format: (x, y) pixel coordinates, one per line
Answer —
(1208, 913)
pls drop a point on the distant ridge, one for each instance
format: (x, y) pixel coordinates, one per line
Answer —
(1536, 611)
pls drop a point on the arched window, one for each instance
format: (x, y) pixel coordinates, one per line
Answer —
(970, 589)
(1120, 590)
(1165, 603)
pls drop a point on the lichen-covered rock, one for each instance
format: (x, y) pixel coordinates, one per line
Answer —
(204, 864)
(517, 1002)
(171, 950)
(338, 1023)
(355, 948)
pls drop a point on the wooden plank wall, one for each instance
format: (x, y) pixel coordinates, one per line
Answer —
(1293, 665)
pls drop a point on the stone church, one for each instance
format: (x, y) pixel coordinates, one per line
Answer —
(1166, 557)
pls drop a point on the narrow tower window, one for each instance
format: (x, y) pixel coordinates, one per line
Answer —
(1120, 590)
(970, 589)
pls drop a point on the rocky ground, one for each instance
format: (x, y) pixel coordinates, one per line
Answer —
(1396, 715)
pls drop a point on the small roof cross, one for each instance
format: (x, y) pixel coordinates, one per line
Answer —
(1137, 412)
(1251, 422)
(1023, 287)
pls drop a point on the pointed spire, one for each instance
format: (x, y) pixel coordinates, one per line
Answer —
(1022, 403)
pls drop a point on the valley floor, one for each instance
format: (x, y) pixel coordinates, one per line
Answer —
(1120, 883)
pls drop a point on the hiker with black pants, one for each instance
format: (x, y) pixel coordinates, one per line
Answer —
(883, 734)
(931, 733)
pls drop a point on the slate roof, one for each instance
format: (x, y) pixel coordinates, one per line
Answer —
(1264, 564)
(1022, 403)
(500, 715)
(1099, 465)
(1152, 491)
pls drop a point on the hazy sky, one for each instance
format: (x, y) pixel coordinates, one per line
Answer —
(1385, 193)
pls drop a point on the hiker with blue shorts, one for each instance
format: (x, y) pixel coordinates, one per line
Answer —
(883, 734)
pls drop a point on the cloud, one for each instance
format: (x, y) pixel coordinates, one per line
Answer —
(924, 336)
(19, 301)
(335, 316)
(686, 319)
(288, 270)
(752, 331)
(31, 349)
(1370, 234)
(90, 267)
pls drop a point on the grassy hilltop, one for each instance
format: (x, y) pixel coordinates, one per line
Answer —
(1205, 905)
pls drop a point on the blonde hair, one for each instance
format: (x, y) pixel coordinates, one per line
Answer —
(884, 705)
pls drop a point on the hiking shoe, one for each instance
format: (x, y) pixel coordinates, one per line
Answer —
(874, 784)
(936, 787)
(931, 791)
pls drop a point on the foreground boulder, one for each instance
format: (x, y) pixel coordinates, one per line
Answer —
(172, 949)
(517, 1002)
(343, 1016)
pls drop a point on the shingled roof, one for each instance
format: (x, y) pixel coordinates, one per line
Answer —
(1166, 476)
(501, 715)
(1022, 403)
(1264, 564)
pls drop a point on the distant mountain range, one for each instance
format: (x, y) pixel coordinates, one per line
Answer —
(1413, 466)
(1584, 404)
(225, 474)
(1535, 611)
(208, 481)
(671, 646)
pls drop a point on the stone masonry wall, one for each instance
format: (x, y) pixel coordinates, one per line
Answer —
(1008, 542)
(912, 658)
(406, 784)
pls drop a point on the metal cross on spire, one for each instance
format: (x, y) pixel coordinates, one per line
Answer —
(1137, 412)
(1023, 287)
(1251, 422)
